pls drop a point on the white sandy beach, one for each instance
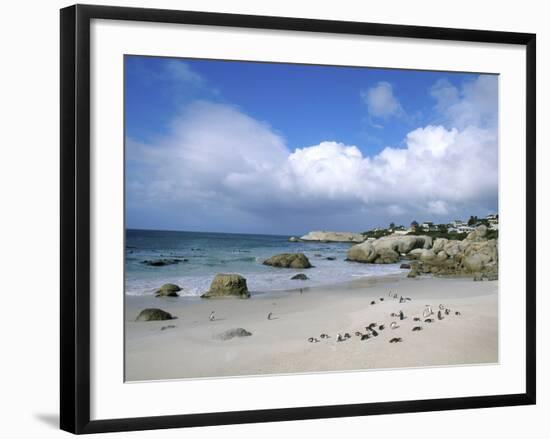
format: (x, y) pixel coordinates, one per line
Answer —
(280, 345)
(191, 349)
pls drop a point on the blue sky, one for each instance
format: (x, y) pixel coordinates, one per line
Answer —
(290, 148)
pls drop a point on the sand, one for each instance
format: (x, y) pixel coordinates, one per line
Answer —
(192, 349)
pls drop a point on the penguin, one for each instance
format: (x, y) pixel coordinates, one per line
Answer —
(439, 315)
(401, 315)
(447, 311)
(374, 333)
(394, 325)
(429, 320)
(417, 328)
(441, 307)
(401, 300)
(373, 303)
(457, 313)
(372, 325)
(269, 315)
(427, 311)
(312, 340)
(358, 334)
(393, 314)
(396, 340)
(339, 337)
(381, 299)
(381, 327)
(365, 337)
(212, 318)
(416, 319)
(395, 296)
(346, 335)
(324, 335)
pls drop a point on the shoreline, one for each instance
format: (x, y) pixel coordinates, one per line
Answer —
(190, 347)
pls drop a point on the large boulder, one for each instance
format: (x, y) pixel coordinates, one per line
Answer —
(453, 247)
(480, 256)
(478, 234)
(386, 255)
(150, 314)
(299, 276)
(364, 252)
(388, 249)
(228, 285)
(415, 254)
(324, 236)
(427, 256)
(473, 263)
(289, 260)
(168, 290)
(439, 244)
(403, 243)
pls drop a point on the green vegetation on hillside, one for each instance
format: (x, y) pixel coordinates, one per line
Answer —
(376, 233)
(441, 233)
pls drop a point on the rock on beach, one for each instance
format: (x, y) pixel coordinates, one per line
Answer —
(168, 290)
(228, 285)
(151, 314)
(289, 260)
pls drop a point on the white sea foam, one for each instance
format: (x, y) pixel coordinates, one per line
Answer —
(272, 279)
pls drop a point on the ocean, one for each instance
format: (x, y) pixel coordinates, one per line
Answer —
(206, 254)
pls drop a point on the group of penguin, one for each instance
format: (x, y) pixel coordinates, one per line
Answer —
(373, 329)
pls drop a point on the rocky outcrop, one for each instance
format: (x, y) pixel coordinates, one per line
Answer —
(232, 333)
(479, 234)
(293, 239)
(228, 285)
(289, 260)
(333, 237)
(388, 249)
(168, 290)
(150, 314)
(475, 256)
(299, 276)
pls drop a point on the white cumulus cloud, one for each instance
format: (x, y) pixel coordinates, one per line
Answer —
(217, 159)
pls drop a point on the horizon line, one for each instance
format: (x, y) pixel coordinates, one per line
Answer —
(205, 231)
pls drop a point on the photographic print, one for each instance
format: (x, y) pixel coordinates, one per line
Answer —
(290, 218)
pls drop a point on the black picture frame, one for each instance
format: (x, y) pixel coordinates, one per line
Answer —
(75, 217)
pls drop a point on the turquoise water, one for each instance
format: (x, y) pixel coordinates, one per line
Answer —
(211, 253)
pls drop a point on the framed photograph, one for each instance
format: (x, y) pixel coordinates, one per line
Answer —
(274, 218)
